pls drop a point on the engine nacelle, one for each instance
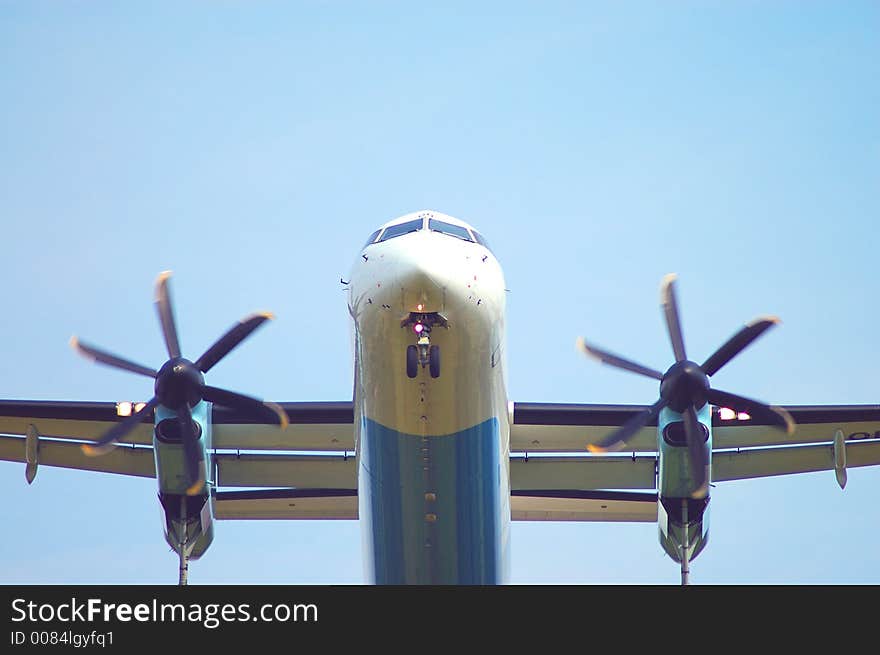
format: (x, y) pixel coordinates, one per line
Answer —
(682, 521)
(187, 521)
(168, 450)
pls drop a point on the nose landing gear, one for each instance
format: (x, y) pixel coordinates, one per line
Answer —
(423, 353)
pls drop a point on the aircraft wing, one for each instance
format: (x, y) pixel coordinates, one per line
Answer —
(828, 437)
(525, 506)
(308, 471)
(125, 460)
(245, 453)
(568, 428)
(50, 433)
(324, 426)
(287, 504)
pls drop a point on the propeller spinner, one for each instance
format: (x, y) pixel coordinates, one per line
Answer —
(685, 387)
(180, 385)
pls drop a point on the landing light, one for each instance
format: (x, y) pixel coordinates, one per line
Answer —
(727, 414)
(127, 408)
(418, 327)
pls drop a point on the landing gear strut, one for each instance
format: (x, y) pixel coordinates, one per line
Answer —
(182, 549)
(423, 353)
(184, 564)
(685, 545)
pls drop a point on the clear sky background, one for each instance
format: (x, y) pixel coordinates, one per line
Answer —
(251, 147)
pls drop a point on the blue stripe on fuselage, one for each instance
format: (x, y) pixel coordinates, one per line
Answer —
(432, 506)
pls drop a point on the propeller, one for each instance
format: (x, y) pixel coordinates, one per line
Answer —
(685, 388)
(180, 385)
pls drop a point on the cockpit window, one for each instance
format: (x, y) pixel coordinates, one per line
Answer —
(372, 238)
(450, 229)
(401, 228)
(481, 240)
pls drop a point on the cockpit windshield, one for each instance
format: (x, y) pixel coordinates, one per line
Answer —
(450, 229)
(481, 240)
(401, 229)
(435, 225)
(372, 238)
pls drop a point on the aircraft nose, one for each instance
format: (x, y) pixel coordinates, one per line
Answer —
(424, 279)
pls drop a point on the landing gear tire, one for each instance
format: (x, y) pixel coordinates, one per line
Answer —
(434, 361)
(412, 361)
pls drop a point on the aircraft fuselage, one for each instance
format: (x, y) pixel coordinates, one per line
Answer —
(433, 449)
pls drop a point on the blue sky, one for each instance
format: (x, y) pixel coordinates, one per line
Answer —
(250, 147)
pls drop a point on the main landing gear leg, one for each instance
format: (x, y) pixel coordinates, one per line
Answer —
(182, 549)
(184, 565)
(685, 545)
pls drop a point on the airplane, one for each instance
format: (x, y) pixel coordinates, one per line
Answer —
(430, 454)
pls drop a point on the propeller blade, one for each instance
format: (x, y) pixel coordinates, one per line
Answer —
(616, 441)
(615, 360)
(103, 357)
(774, 416)
(699, 461)
(737, 343)
(166, 315)
(108, 440)
(670, 311)
(192, 453)
(234, 336)
(268, 411)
